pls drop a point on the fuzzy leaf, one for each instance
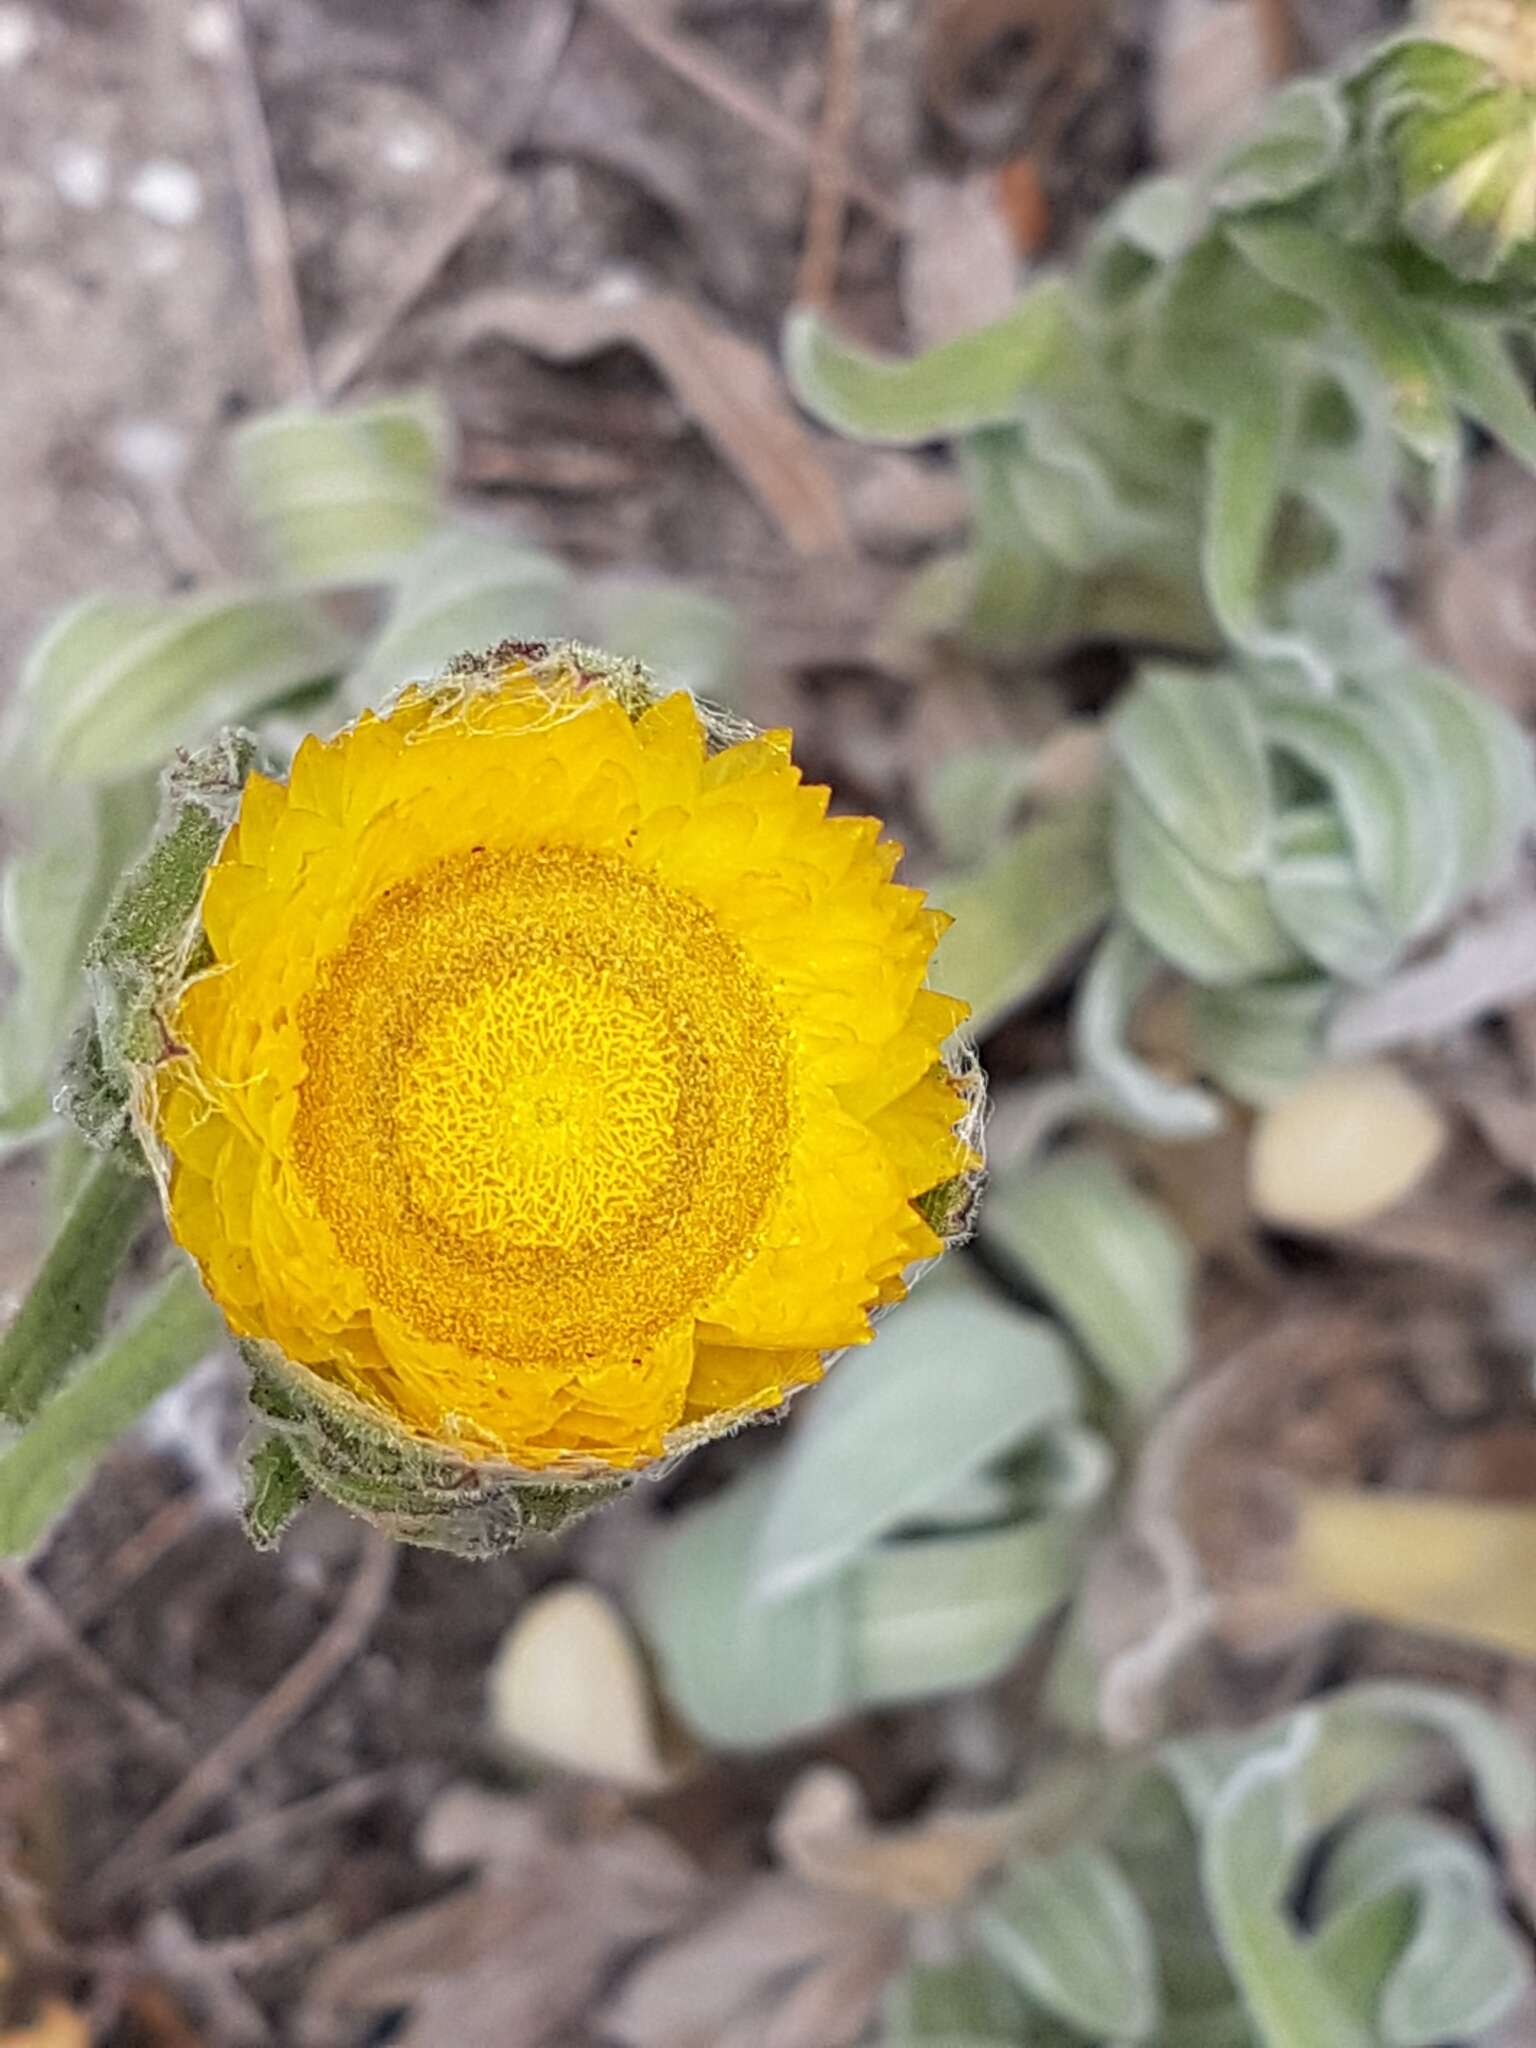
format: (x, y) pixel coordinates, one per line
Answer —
(1122, 969)
(115, 685)
(1390, 797)
(1218, 929)
(944, 2005)
(1316, 892)
(1073, 1935)
(342, 499)
(1192, 745)
(1361, 295)
(745, 1673)
(1017, 918)
(1108, 1259)
(691, 640)
(52, 898)
(949, 1384)
(462, 589)
(953, 389)
(948, 1613)
(1484, 761)
(1257, 1830)
(1300, 138)
(1261, 1041)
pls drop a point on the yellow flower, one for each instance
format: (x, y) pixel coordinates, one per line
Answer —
(559, 1088)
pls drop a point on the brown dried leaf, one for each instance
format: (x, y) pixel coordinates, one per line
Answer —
(729, 388)
(520, 1952)
(824, 1834)
(994, 68)
(731, 1980)
(1508, 1126)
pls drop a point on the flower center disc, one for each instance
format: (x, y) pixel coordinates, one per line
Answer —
(547, 1104)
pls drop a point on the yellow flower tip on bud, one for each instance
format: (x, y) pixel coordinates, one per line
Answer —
(1348, 1144)
(1451, 110)
(569, 1687)
(554, 1084)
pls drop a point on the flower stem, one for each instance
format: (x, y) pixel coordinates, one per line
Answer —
(41, 1473)
(62, 1315)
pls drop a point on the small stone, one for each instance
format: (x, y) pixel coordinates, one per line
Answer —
(210, 33)
(149, 450)
(82, 175)
(409, 149)
(18, 37)
(1343, 1148)
(568, 1686)
(167, 192)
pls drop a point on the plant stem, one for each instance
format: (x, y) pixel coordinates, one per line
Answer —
(41, 1473)
(62, 1315)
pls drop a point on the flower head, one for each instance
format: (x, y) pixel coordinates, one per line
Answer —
(555, 1085)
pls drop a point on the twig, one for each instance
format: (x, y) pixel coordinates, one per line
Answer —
(341, 363)
(689, 63)
(272, 1715)
(826, 202)
(352, 1795)
(538, 57)
(1277, 37)
(266, 220)
(48, 1627)
(140, 1553)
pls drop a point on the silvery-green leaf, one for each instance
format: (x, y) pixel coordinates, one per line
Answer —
(1484, 759)
(1463, 1969)
(43, 1470)
(463, 589)
(1072, 1933)
(692, 641)
(949, 1612)
(1022, 593)
(1474, 360)
(1248, 462)
(1226, 2026)
(1018, 918)
(1121, 970)
(115, 685)
(1360, 293)
(52, 898)
(1256, 1831)
(743, 1672)
(1107, 1258)
(1315, 889)
(953, 389)
(1259, 1042)
(343, 499)
(1358, 1948)
(1500, 1765)
(1456, 1966)
(1382, 1852)
(1390, 796)
(1218, 929)
(947, 1385)
(971, 796)
(1300, 137)
(939, 2005)
(1191, 743)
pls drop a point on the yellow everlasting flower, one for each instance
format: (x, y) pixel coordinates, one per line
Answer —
(557, 1085)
